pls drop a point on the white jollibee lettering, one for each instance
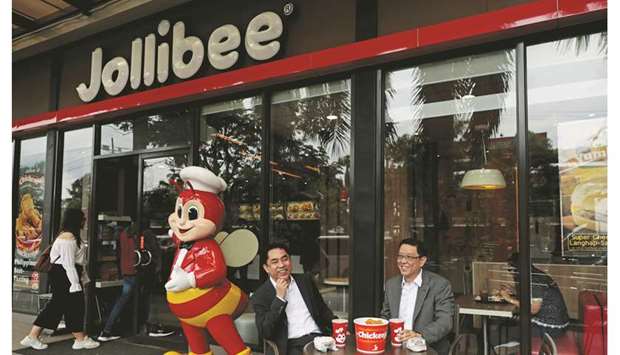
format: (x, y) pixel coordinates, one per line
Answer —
(115, 86)
(163, 53)
(149, 60)
(85, 93)
(135, 77)
(261, 43)
(222, 40)
(264, 27)
(181, 45)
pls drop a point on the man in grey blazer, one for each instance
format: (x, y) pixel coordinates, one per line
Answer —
(423, 299)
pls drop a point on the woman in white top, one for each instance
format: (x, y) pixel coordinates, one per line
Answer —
(67, 256)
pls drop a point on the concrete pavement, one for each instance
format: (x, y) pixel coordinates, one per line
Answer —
(61, 345)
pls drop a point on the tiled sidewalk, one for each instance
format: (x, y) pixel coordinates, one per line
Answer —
(61, 345)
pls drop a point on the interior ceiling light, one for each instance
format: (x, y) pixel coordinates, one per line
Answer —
(483, 179)
(332, 117)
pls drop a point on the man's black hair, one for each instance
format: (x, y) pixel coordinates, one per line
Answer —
(415, 243)
(275, 245)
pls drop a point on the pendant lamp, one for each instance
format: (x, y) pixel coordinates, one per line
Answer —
(483, 179)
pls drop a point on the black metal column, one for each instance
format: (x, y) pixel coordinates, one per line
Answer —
(265, 196)
(91, 301)
(366, 248)
(523, 198)
(194, 152)
(15, 200)
(50, 213)
(366, 262)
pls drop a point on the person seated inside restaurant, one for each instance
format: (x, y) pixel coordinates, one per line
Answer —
(289, 309)
(548, 309)
(423, 299)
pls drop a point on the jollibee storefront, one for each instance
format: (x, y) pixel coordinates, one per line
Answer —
(341, 127)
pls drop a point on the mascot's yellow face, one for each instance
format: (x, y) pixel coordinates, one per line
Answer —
(188, 222)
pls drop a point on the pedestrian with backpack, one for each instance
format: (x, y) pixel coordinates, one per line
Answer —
(67, 256)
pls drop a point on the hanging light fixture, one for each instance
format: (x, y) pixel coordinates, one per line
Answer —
(483, 179)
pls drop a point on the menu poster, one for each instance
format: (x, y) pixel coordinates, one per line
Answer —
(582, 158)
(295, 211)
(302, 210)
(29, 225)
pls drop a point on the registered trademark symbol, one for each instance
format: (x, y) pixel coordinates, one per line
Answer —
(288, 9)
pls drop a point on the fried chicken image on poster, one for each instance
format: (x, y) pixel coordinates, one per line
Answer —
(28, 228)
(582, 155)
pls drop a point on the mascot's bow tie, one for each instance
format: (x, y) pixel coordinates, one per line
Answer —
(186, 245)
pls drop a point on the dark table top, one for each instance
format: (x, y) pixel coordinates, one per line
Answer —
(351, 350)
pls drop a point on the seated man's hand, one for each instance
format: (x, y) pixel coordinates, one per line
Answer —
(407, 334)
(282, 287)
(505, 294)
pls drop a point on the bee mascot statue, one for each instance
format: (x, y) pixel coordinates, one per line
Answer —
(198, 292)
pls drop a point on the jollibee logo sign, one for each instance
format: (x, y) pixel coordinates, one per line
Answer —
(371, 336)
(149, 61)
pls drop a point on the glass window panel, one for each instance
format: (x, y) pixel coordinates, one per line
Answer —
(29, 221)
(154, 131)
(567, 119)
(158, 190)
(159, 195)
(76, 172)
(450, 168)
(310, 168)
(230, 146)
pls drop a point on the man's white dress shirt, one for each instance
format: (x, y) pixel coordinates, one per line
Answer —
(300, 321)
(408, 296)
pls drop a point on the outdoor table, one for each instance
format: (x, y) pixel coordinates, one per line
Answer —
(351, 350)
(467, 305)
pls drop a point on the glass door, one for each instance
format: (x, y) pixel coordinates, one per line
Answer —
(157, 195)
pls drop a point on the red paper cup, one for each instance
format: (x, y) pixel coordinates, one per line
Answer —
(396, 326)
(339, 331)
(370, 334)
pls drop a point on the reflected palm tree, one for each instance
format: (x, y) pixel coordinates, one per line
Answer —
(584, 43)
(232, 150)
(325, 119)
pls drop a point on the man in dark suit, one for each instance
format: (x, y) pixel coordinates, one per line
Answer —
(289, 308)
(423, 299)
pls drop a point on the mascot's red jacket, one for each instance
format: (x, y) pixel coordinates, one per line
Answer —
(198, 292)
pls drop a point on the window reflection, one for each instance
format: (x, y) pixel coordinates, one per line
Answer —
(76, 171)
(444, 120)
(567, 119)
(154, 131)
(310, 167)
(230, 146)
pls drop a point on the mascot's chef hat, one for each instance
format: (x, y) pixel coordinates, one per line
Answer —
(205, 185)
(202, 179)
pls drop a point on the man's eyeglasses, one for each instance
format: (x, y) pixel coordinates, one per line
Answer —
(407, 258)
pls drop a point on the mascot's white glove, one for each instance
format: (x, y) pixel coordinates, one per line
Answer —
(180, 280)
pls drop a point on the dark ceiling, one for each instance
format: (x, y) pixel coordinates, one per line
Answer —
(30, 15)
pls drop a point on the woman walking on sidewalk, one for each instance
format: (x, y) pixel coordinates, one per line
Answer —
(67, 256)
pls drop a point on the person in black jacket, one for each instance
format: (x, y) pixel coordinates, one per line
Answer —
(289, 309)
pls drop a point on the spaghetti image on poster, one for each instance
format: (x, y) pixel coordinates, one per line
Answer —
(582, 157)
